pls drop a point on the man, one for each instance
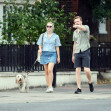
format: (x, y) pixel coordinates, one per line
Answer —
(81, 52)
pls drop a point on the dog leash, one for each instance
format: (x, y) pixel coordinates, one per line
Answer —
(36, 59)
(31, 67)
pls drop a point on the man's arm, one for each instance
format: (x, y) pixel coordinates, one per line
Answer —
(81, 27)
(74, 46)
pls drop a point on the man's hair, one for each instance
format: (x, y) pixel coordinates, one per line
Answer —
(76, 17)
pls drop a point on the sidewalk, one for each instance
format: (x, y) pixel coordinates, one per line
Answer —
(60, 94)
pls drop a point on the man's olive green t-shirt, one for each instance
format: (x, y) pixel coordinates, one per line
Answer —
(82, 40)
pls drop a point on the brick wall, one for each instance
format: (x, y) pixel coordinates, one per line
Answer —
(75, 5)
(69, 5)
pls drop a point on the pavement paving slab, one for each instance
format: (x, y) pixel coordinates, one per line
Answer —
(59, 94)
(62, 99)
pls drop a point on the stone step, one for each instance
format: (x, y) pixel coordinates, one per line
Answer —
(37, 79)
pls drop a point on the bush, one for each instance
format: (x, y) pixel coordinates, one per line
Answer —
(24, 25)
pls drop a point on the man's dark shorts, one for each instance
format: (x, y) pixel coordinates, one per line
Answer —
(82, 59)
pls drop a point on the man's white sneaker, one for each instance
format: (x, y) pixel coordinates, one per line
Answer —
(49, 90)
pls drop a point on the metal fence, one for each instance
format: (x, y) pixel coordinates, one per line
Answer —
(21, 57)
(18, 58)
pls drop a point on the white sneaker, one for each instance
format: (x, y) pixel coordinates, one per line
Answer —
(49, 90)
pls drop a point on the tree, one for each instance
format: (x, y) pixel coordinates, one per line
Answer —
(24, 25)
(101, 9)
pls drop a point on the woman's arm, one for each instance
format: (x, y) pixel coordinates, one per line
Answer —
(58, 55)
(40, 49)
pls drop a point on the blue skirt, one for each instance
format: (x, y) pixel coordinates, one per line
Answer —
(48, 57)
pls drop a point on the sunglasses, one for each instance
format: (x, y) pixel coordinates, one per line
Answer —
(49, 26)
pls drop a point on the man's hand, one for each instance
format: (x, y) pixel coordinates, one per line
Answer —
(75, 26)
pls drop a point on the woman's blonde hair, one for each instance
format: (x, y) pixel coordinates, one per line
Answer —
(52, 25)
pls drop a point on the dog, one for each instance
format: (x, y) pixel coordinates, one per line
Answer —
(22, 82)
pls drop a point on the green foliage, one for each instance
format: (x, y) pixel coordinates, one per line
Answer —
(24, 25)
(101, 9)
(92, 38)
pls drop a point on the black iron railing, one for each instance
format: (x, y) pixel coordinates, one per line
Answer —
(21, 58)
(18, 58)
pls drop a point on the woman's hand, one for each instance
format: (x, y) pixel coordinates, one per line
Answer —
(73, 58)
(58, 60)
(40, 51)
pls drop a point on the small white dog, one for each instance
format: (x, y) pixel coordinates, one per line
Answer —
(22, 82)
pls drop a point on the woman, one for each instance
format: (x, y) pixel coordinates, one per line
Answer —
(49, 53)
